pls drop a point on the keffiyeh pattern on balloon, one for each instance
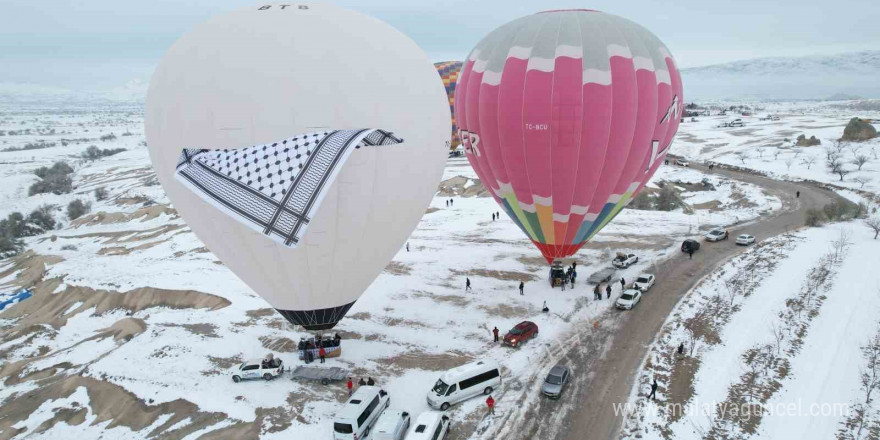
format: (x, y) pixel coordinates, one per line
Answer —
(275, 188)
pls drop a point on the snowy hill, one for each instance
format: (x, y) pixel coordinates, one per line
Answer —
(812, 77)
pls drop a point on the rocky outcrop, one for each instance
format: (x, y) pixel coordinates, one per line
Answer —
(802, 141)
(858, 130)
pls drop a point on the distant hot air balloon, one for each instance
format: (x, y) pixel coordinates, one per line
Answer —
(297, 150)
(564, 116)
(448, 71)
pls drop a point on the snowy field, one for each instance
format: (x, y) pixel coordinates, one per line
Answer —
(134, 325)
(772, 344)
(769, 146)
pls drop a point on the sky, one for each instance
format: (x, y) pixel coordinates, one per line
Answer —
(101, 44)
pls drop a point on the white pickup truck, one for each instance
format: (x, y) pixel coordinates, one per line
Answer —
(266, 369)
(622, 261)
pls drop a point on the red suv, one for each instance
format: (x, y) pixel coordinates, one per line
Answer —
(522, 332)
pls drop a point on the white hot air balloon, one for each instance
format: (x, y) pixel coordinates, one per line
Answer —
(302, 144)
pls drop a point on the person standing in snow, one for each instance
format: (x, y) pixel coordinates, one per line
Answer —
(451, 202)
(690, 253)
(653, 390)
(497, 214)
(681, 348)
(522, 287)
(564, 282)
(490, 402)
(797, 194)
(447, 203)
(495, 333)
(596, 292)
(607, 292)
(321, 354)
(370, 381)
(350, 386)
(407, 246)
(467, 284)
(361, 382)
(545, 309)
(622, 284)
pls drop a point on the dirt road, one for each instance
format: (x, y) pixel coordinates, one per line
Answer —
(605, 360)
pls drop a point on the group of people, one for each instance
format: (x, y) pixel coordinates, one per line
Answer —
(449, 203)
(496, 215)
(361, 382)
(317, 345)
(597, 291)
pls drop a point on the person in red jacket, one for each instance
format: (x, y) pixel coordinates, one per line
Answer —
(350, 386)
(495, 333)
(321, 354)
(490, 402)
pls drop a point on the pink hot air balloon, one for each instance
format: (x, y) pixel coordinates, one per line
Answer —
(565, 116)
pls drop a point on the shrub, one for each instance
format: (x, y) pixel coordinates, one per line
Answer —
(108, 137)
(55, 179)
(42, 217)
(94, 153)
(77, 208)
(814, 217)
(60, 167)
(100, 193)
(10, 246)
(667, 198)
(642, 201)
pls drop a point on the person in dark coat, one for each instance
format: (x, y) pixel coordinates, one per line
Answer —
(597, 294)
(681, 348)
(407, 246)
(467, 284)
(495, 333)
(690, 253)
(545, 309)
(798, 194)
(493, 216)
(622, 283)
(497, 214)
(574, 265)
(607, 292)
(564, 282)
(362, 382)
(370, 381)
(653, 390)
(522, 287)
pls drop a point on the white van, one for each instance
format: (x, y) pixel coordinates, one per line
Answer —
(360, 413)
(392, 425)
(464, 382)
(429, 426)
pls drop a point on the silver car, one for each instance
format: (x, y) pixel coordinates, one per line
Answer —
(555, 381)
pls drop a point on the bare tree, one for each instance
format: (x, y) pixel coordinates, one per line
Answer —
(873, 222)
(861, 423)
(692, 325)
(788, 163)
(778, 336)
(842, 172)
(731, 287)
(776, 153)
(760, 151)
(742, 156)
(809, 161)
(861, 180)
(797, 152)
(860, 160)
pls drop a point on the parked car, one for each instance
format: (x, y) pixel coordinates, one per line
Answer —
(267, 369)
(690, 244)
(429, 425)
(736, 123)
(463, 382)
(520, 333)
(644, 282)
(628, 299)
(716, 235)
(682, 161)
(556, 380)
(745, 239)
(622, 261)
(392, 425)
(360, 413)
(601, 276)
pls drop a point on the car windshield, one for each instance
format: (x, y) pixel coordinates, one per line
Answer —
(642, 279)
(554, 380)
(241, 367)
(342, 428)
(625, 296)
(440, 387)
(715, 233)
(515, 331)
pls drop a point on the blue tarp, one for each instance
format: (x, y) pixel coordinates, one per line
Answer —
(14, 298)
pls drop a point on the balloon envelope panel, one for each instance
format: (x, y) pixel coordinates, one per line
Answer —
(265, 73)
(449, 71)
(565, 115)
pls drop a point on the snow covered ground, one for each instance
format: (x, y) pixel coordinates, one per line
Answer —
(770, 146)
(134, 324)
(771, 343)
